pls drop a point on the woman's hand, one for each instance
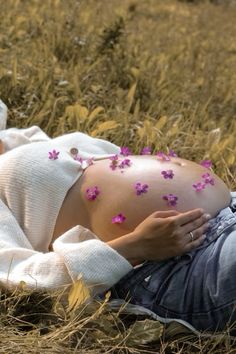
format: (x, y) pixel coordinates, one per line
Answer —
(162, 235)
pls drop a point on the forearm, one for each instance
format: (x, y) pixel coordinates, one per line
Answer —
(126, 246)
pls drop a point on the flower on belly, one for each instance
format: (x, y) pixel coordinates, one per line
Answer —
(172, 153)
(140, 189)
(171, 199)
(114, 162)
(118, 219)
(199, 186)
(146, 151)
(125, 151)
(125, 163)
(162, 156)
(92, 193)
(169, 174)
(208, 179)
(206, 163)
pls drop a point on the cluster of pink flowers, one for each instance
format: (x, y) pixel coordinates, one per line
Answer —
(118, 219)
(125, 151)
(207, 180)
(116, 163)
(171, 199)
(169, 174)
(141, 188)
(92, 193)
(162, 156)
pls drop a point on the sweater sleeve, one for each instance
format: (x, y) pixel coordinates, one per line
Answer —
(75, 252)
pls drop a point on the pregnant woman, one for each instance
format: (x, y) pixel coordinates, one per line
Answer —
(158, 230)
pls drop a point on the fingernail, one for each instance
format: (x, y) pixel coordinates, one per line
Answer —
(207, 216)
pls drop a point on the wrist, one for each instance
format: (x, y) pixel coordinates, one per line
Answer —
(126, 246)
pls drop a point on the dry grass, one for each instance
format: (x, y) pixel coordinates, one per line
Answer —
(157, 73)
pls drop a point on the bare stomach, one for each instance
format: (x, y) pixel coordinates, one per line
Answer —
(118, 195)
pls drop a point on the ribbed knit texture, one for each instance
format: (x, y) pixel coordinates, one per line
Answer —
(32, 190)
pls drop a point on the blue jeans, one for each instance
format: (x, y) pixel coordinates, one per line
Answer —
(198, 287)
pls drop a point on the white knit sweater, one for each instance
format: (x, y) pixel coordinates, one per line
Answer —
(32, 189)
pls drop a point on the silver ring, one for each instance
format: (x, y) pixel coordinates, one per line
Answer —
(191, 235)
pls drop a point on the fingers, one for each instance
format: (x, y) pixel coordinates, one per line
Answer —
(197, 225)
(196, 243)
(187, 217)
(164, 214)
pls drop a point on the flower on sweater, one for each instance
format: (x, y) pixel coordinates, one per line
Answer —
(171, 199)
(206, 163)
(125, 163)
(162, 156)
(125, 151)
(92, 193)
(146, 151)
(53, 155)
(78, 158)
(114, 162)
(169, 174)
(208, 179)
(118, 219)
(90, 161)
(199, 186)
(140, 189)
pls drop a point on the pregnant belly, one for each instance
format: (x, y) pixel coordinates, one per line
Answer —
(118, 194)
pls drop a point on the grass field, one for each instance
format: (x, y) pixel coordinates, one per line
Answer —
(138, 73)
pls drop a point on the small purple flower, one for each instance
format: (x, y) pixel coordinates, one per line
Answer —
(208, 179)
(78, 158)
(172, 153)
(118, 219)
(92, 193)
(90, 161)
(140, 189)
(146, 151)
(53, 155)
(162, 156)
(114, 162)
(125, 151)
(168, 174)
(125, 163)
(171, 199)
(199, 186)
(206, 163)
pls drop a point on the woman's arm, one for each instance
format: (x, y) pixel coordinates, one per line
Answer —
(75, 252)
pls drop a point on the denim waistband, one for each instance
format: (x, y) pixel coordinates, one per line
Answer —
(219, 224)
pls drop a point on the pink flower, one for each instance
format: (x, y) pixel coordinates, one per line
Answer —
(118, 219)
(168, 174)
(92, 193)
(171, 199)
(90, 161)
(114, 162)
(146, 151)
(125, 163)
(172, 153)
(53, 155)
(208, 179)
(199, 186)
(206, 163)
(140, 189)
(162, 156)
(125, 151)
(78, 158)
